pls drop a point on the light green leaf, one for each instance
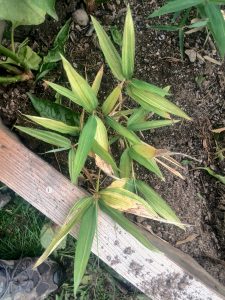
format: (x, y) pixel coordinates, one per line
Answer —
(128, 48)
(174, 6)
(214, 174)
(48, 6)
(101, 135)
(97, 82)
(29, 57)
(84, 146)
(71, 158)
(145, 86)
(200, 23)
(73, 217)
(151, 124)
(117, 35)
(111, 100)
(47, 234)
(164, 27)
(119, 218)
(54, 125)
(82, 90)
(84, 243)
(125, 164)
(111, 55)
(47, 136)
(138, 116)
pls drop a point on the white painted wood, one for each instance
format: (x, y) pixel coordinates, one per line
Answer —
(172, 276)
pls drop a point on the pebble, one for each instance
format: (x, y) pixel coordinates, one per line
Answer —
(81, 17)
(191, 54)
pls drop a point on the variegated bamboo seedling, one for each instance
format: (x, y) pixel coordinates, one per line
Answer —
(91, 135)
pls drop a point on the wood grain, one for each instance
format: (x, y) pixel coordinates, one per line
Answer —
(171, 276)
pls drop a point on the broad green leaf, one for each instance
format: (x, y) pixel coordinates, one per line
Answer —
(111, 100)
(124, 200)
(47, 136)
(145, 150)
(97, 82)
(148, 163)
(145, 86)
(84, 146)
(214, 174)
(82, 90)
(29, 57)
(54, 125)
(174, 6)
(84, 243)
(128, 48)
(125, 164)
(52, 110)
(73, 217)
(111, 55)
(216, 25)
(138, 116)
(71, 158)
(64, 92)
(131, 136)
(157, 203)
(101, 135)
(151, 124)
(164, 27)
(48, 6)
(119, 218)
(159, 102)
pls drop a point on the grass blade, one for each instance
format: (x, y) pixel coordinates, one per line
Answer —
(71, 158)
(142, 85)
(119, 218)
(138, 116)
(125, 164)
(84, 146)
(128, 48)
(181, 42)
(214, 174)
(164, 27)
(84, 243)
(111, 55)
(151, 124)
(54, 125)
(97, 82)
(80, 87)
(74, 216)
(111, 100)
(101, 135)
(47, 137)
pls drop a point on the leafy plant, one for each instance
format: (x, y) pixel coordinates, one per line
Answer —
(91, 137)
(210, 16)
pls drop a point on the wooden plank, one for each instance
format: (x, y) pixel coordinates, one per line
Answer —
(171, 276)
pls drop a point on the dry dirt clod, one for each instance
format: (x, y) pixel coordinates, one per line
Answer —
(81, 17)
(191, 54)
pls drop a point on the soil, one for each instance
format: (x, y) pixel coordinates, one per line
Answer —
(199, 200)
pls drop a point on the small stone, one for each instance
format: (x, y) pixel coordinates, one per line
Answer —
(81, 17)
(191, 54)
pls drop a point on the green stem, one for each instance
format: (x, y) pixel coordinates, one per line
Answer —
(13, 79)
(12, 39)
(13, 56)
(11, 68)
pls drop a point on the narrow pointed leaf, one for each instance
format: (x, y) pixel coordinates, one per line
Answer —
(157, 202)
(84, 146)
(73, 217)
(128, 47)
(145, 86)
(151, 124)
(119, 218)
(138, 116)
(101, 135)
(97, 82)
(181, 42)
(111, 55)
(80, 87)
(47, 136)
(164, 27)
(111, 100)
(71, 158)
(84, 243)
(125, 164)
(54, 125)
(131, 136)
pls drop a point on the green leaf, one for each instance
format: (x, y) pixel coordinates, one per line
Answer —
(145, 86)
(97, 82)
(151, 124)
(158, 101)
(84, 243)
(111, 100)
(47, 234)
(214, 174)
(164, 27)
(101, 135)
(128, 48)
(181, 43)
(54, 125)
(131, 136)
(52, 110)
(71, 158)
(73, 217)
(174, 6)
(125, 164)
(84, 146)
(111, 55)
(30, 58)
(117, 35)
(82, 90)
(48, 6)
(47, 136)
(119, 218)
(157, 202)
(138, 116)
(200, 23)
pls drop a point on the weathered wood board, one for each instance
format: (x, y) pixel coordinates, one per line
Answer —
(171, 276)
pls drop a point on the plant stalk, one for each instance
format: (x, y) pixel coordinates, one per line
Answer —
(16, 78)
(13, 56)
(11, 68)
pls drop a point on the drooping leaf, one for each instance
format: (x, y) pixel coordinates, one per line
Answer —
(125, 164)
(111, 55)
(145, 86)
(111, 100)
(128, 48)
(52, 110)
(47, 136)
(97, 82)
(157, 202)
(84, 243)
(82, 90)
(151, 124)
(73, 217)
(214, 174)
(54, 125)
(48, 6)
(29, 57)
(119, 218)
(131, 136)
(84, 146)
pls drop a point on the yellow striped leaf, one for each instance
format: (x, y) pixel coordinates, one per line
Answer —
(97, 82)
(111, 100)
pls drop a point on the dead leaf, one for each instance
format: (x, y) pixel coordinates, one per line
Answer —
(219, 130)
(212, 60)
(190, 238)
(104, 166)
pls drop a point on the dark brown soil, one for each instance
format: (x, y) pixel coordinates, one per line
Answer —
(199, 200)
